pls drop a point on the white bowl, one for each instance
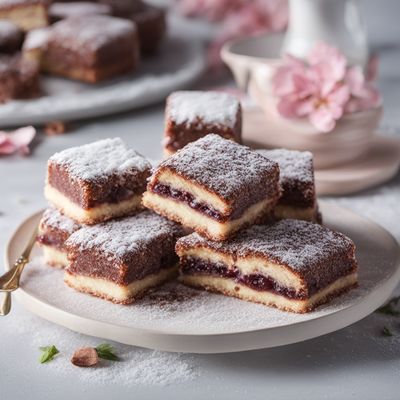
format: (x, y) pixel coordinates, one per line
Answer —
(253, 62)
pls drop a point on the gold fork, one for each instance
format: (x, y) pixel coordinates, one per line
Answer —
(10, 280)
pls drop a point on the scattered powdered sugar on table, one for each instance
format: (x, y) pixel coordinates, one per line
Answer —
(102, 158)
(138, 366)
(203, 107)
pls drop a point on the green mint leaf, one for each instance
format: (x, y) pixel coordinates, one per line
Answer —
(386, 331)
(390, 308)
(107, 352)
(49, 352)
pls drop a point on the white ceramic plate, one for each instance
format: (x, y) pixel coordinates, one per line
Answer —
(185, 320)
(178, 64)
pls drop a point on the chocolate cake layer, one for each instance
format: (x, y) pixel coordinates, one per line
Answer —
(19, 78)
(101, 172)
(124, 250)
(152, 26)
(191, 115)
(124, 8)
(296, 255)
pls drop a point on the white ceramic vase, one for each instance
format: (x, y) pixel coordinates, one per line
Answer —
(337, 22)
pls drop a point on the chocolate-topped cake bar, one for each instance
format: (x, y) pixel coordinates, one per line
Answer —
(215, 187)
(61, 10)
(19, 78)
(191, 115)
(91, 48)
(97, 181)
(120, 260)
(292, 265)
(298, 199)
(27, 14)
(54, 230)
(11, 37)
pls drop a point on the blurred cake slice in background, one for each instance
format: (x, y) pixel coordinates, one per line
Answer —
(27, 14)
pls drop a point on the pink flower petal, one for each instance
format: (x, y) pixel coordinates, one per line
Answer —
(340, 95)
(323, 119)
(354, 78)
(17, 140)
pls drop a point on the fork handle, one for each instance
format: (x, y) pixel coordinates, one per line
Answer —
(5, 306)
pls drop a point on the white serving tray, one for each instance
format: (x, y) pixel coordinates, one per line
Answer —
(179, 62)
(208, 323)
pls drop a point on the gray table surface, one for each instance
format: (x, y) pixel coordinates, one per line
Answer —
(356, 362)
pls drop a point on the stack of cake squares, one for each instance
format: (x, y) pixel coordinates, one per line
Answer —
(239, 222)
(96, 227)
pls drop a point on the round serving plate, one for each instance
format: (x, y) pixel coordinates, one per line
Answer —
(175, 318)
(179, 62)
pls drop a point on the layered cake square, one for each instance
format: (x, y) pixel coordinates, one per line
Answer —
(298, 199)
(54, 230)
(27, 14)
(19, 78)
(215, 187)
(11, 37)
(92, 48)
(120, 260)
(62, 10)
(292, 265)
(97, 181)
(191, 115)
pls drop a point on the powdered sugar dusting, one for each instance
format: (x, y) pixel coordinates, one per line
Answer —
(75, 9)
(301, 245)
(203, 107)
(98, 159)
(130, 234)
(293, 164)
(227, 168)
(53, 218)
(36, 39)
(8, 30)
(91, 33)
(137, 366)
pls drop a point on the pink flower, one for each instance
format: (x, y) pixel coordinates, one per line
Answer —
(323, 88)
(16, 141)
